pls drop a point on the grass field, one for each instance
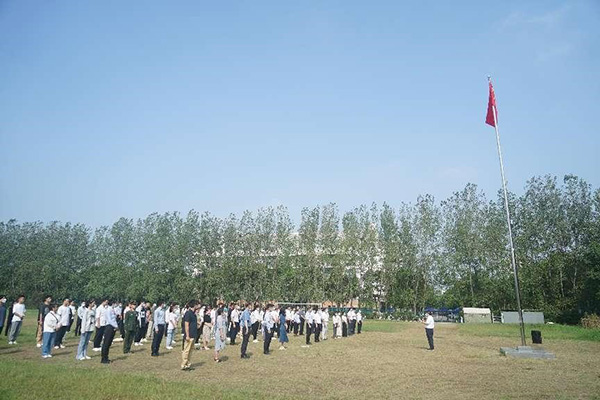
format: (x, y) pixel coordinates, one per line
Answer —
(388, 361)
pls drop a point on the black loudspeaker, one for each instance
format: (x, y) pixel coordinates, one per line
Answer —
(536, 337)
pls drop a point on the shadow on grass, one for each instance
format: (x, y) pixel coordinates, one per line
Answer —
(2, 352)
(224, 358)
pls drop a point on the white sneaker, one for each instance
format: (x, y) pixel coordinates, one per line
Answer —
(174, 342)
(38, 345)
(80, 358)
(97, 349)
(10, 342)
(169, 348)
(62, 346)
(88, 358)
(49, 356)
(136, 344)
(255, 341)
(56, 347)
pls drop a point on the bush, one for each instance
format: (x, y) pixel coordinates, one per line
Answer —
(591, 321)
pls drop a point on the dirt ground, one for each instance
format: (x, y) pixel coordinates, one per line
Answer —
(386, 361)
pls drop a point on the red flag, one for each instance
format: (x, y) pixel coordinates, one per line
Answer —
(489, 119)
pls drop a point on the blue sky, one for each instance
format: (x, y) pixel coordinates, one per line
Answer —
(113, 108)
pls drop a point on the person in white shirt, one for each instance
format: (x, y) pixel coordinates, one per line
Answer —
(325, 318)
(359, 319)
(51, 324)
(255, 321)
(344, 325)
(337, 326)
(100, 324)
(309, 325)
(234, 323)
(18, 313)
(351, 321)
(64, 313)
(297, 321)
(73, 310)
(80, 313)
(88, 319)
(429, 324)
(317, 324)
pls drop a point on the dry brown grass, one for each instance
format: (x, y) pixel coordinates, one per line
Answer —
(376, 364)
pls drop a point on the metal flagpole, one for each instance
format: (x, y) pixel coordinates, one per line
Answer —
(510, 238)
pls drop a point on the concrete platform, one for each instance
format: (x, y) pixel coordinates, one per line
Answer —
(526, 352)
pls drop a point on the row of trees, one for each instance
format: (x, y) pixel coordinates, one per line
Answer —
(451, 253)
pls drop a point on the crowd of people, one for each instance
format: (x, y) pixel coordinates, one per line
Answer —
(200, 324)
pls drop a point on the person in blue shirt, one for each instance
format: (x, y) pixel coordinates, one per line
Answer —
(245, 323)
(109, 331)
(159, 327)
(2, 311)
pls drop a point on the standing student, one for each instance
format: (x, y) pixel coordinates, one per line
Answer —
(141, 318)
(267, 325)
(190, 331)
(318, 324)
(43, 310)
(351, 321)
(64, 313)
(207, 327)
(245, 323)
(3, 312)
(159, 328)
(171, 326)
(51, 324)
(148, 331)
(119, 313)
(302, 315)
(336, 323)
(344, 325)
(309, 325)
(235, 323)
(18, 313)
(87, 315)
(255, 319)
(109, 332)
(296, 321)
(220, 329)
(72, 312)
(283, 337)
(359, 319)
(325, 326)
(80, 313)
(429, 325)
(100, 324)
(129, 326)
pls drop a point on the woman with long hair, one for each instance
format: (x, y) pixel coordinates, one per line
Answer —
(283, 338)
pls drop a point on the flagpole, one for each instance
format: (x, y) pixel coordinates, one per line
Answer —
(510, 238)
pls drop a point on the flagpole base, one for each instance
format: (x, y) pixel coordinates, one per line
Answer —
(527, 352)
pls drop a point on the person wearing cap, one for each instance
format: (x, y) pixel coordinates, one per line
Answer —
(129, 325)
(429, 325)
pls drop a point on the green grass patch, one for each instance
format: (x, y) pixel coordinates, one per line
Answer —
(35, 380)
(374, 325)
(554, 332)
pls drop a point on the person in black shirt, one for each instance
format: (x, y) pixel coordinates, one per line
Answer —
(190, 323)
(43, 310)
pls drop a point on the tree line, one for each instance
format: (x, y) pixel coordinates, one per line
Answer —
(427, 253)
